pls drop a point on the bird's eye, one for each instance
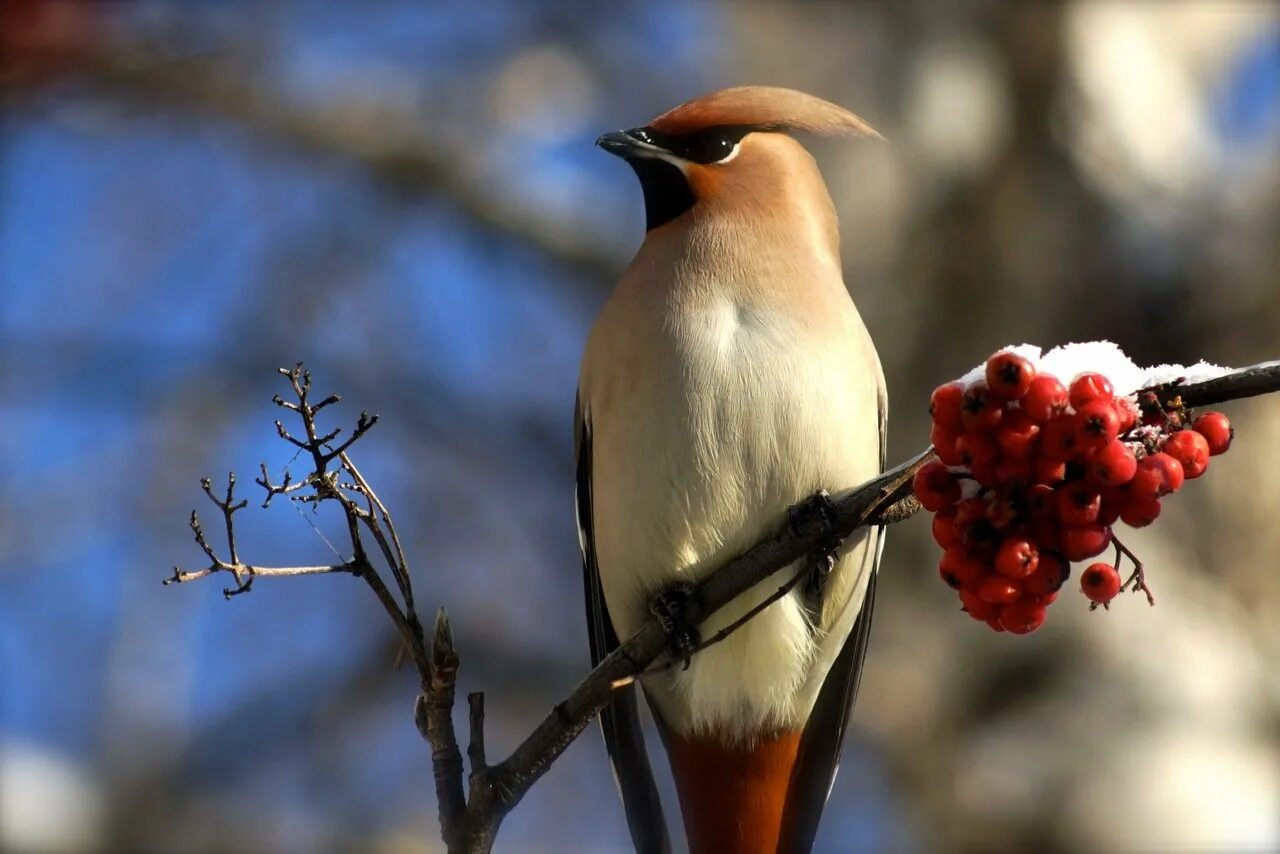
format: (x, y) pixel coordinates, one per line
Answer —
(711, 145)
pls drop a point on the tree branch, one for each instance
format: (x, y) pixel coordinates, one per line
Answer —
(470, 818)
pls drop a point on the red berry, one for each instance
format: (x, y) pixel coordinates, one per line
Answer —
(1045, 599)
(1100, 582)
(999, 590)
(1172, 471)
(1009, 375)
(1087, 387)
(1046, 398)
(1047, 533)
(1017, 558)
(1016, 434)
(944, 405)
(977, 607)
(1023, 617)
(1097, 423)
(1011, 472)
(1078, 504)
(936, 487)
(1041, 502)
(960, 569)
(1050, 472)
(1058, 439)
(1085, 541)
(1139, 512)
(994, 623)
(1191, 449)
(1217, 431)
(976, 449)
(1052, 571)
(1157, 475)
(943, 440)
(980, 410)
(1112, 499)
(1113, 464)
(944, 528)
(1128, 413)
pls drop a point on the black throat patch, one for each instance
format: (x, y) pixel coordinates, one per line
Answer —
(666, 192)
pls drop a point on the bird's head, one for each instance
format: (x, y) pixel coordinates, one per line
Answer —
(727, 146)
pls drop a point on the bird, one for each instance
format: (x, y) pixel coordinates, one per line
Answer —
(728, 380)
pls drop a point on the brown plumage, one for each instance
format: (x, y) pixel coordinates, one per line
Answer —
(766, 107)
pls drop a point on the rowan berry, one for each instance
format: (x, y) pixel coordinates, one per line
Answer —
(1100, 582)
(1113, 497)
(944, 405)
(1052, 571)
(1097, 423)
(1156, 475)
(1022, 617)
(1113, 464)
(1040, 501)
(1047, 533)
(1009, 375)
(1017, 558)
(960, 569)
(976, 449)
(1087, 387)
(1046, 398)
(1217, 431)
(1191, 449)
(999, 590)
(1084, 541)
(935, 487)
(1078, 504)
(1014, 472)
(977, 607)
(1128, 412)
(943, 440)
(1139, 512)
(1016, 434)
(1058, 439)
(944, 528)
(980, 410)
(1050, 472)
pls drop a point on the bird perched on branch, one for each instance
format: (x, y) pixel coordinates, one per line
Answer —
(728, 379)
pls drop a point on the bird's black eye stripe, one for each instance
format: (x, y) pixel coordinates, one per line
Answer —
(705, 146)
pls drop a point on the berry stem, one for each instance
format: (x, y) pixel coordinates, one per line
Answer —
(1138, 579)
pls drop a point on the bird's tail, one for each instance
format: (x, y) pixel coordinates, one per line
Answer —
(733, 797)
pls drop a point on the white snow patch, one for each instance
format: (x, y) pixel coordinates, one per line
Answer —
(1102, 357)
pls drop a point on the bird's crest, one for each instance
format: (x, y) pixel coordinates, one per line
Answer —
(764, 107)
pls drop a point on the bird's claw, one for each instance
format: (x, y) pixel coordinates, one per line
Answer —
(669, 607)
(821, 510)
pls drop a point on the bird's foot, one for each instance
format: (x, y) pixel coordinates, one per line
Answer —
(817, 509)
(669, 606)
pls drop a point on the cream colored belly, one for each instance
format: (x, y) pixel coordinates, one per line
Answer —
(696, 458)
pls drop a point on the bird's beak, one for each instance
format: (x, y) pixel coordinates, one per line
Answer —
(625, 144)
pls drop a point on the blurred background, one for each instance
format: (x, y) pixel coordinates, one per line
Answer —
(406, 196)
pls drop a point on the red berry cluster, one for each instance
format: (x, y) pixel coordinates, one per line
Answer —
(1031, 475)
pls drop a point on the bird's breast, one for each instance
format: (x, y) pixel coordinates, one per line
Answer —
(719, 416)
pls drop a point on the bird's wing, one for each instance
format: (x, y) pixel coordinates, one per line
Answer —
(823, 739)
(620, 720)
